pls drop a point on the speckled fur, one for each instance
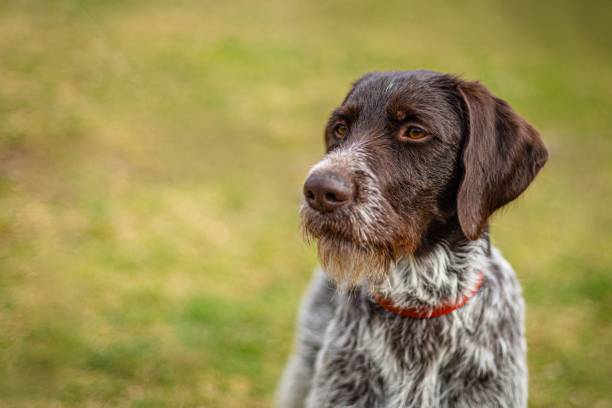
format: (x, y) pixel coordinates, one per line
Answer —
(351, 353)
(416, 232)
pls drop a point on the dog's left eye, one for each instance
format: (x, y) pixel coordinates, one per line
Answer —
(340, 131)
(413, 133)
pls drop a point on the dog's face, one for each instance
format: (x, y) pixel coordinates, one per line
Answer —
(413, 158)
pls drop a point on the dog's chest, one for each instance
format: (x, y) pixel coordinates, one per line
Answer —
(394, 361)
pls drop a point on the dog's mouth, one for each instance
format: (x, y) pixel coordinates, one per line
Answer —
(336, 224)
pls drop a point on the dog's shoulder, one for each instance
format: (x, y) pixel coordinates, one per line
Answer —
(317, 308)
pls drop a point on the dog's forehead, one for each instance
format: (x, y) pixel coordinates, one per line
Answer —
(377, 90)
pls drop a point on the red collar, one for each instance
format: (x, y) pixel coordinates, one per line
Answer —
(427, 312)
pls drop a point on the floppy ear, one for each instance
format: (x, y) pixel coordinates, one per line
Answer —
(501, 156)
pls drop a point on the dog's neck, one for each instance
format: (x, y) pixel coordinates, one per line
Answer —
(442, 276)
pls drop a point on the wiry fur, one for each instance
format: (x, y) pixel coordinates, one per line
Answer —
(352, 353)
(414, 231)
(442, 277)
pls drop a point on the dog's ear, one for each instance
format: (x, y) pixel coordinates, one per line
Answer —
(502, 154)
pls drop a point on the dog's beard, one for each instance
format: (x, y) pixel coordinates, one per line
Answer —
(352, 251)
(348, 256)
(350, 264)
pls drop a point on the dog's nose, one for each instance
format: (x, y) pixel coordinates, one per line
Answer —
(326, 191)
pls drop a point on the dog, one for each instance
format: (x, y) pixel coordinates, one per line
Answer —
(413, 307)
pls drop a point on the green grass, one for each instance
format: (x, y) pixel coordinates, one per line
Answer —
(151, 158)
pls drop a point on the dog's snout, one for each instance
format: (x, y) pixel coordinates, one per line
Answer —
(326, 191)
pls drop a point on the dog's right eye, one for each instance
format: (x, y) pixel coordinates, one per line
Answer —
(340, 131)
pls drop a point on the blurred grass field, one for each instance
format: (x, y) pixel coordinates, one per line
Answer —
(151, 161)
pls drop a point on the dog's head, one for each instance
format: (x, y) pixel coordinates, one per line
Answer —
(413, 158)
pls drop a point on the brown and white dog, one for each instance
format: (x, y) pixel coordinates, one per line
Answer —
(414, 308)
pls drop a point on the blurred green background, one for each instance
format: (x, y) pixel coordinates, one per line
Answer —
(151, 161)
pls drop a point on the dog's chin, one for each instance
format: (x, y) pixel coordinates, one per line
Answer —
(345, 258)
(351, 264)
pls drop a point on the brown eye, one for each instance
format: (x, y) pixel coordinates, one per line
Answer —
(414, 133)
(340, 131)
